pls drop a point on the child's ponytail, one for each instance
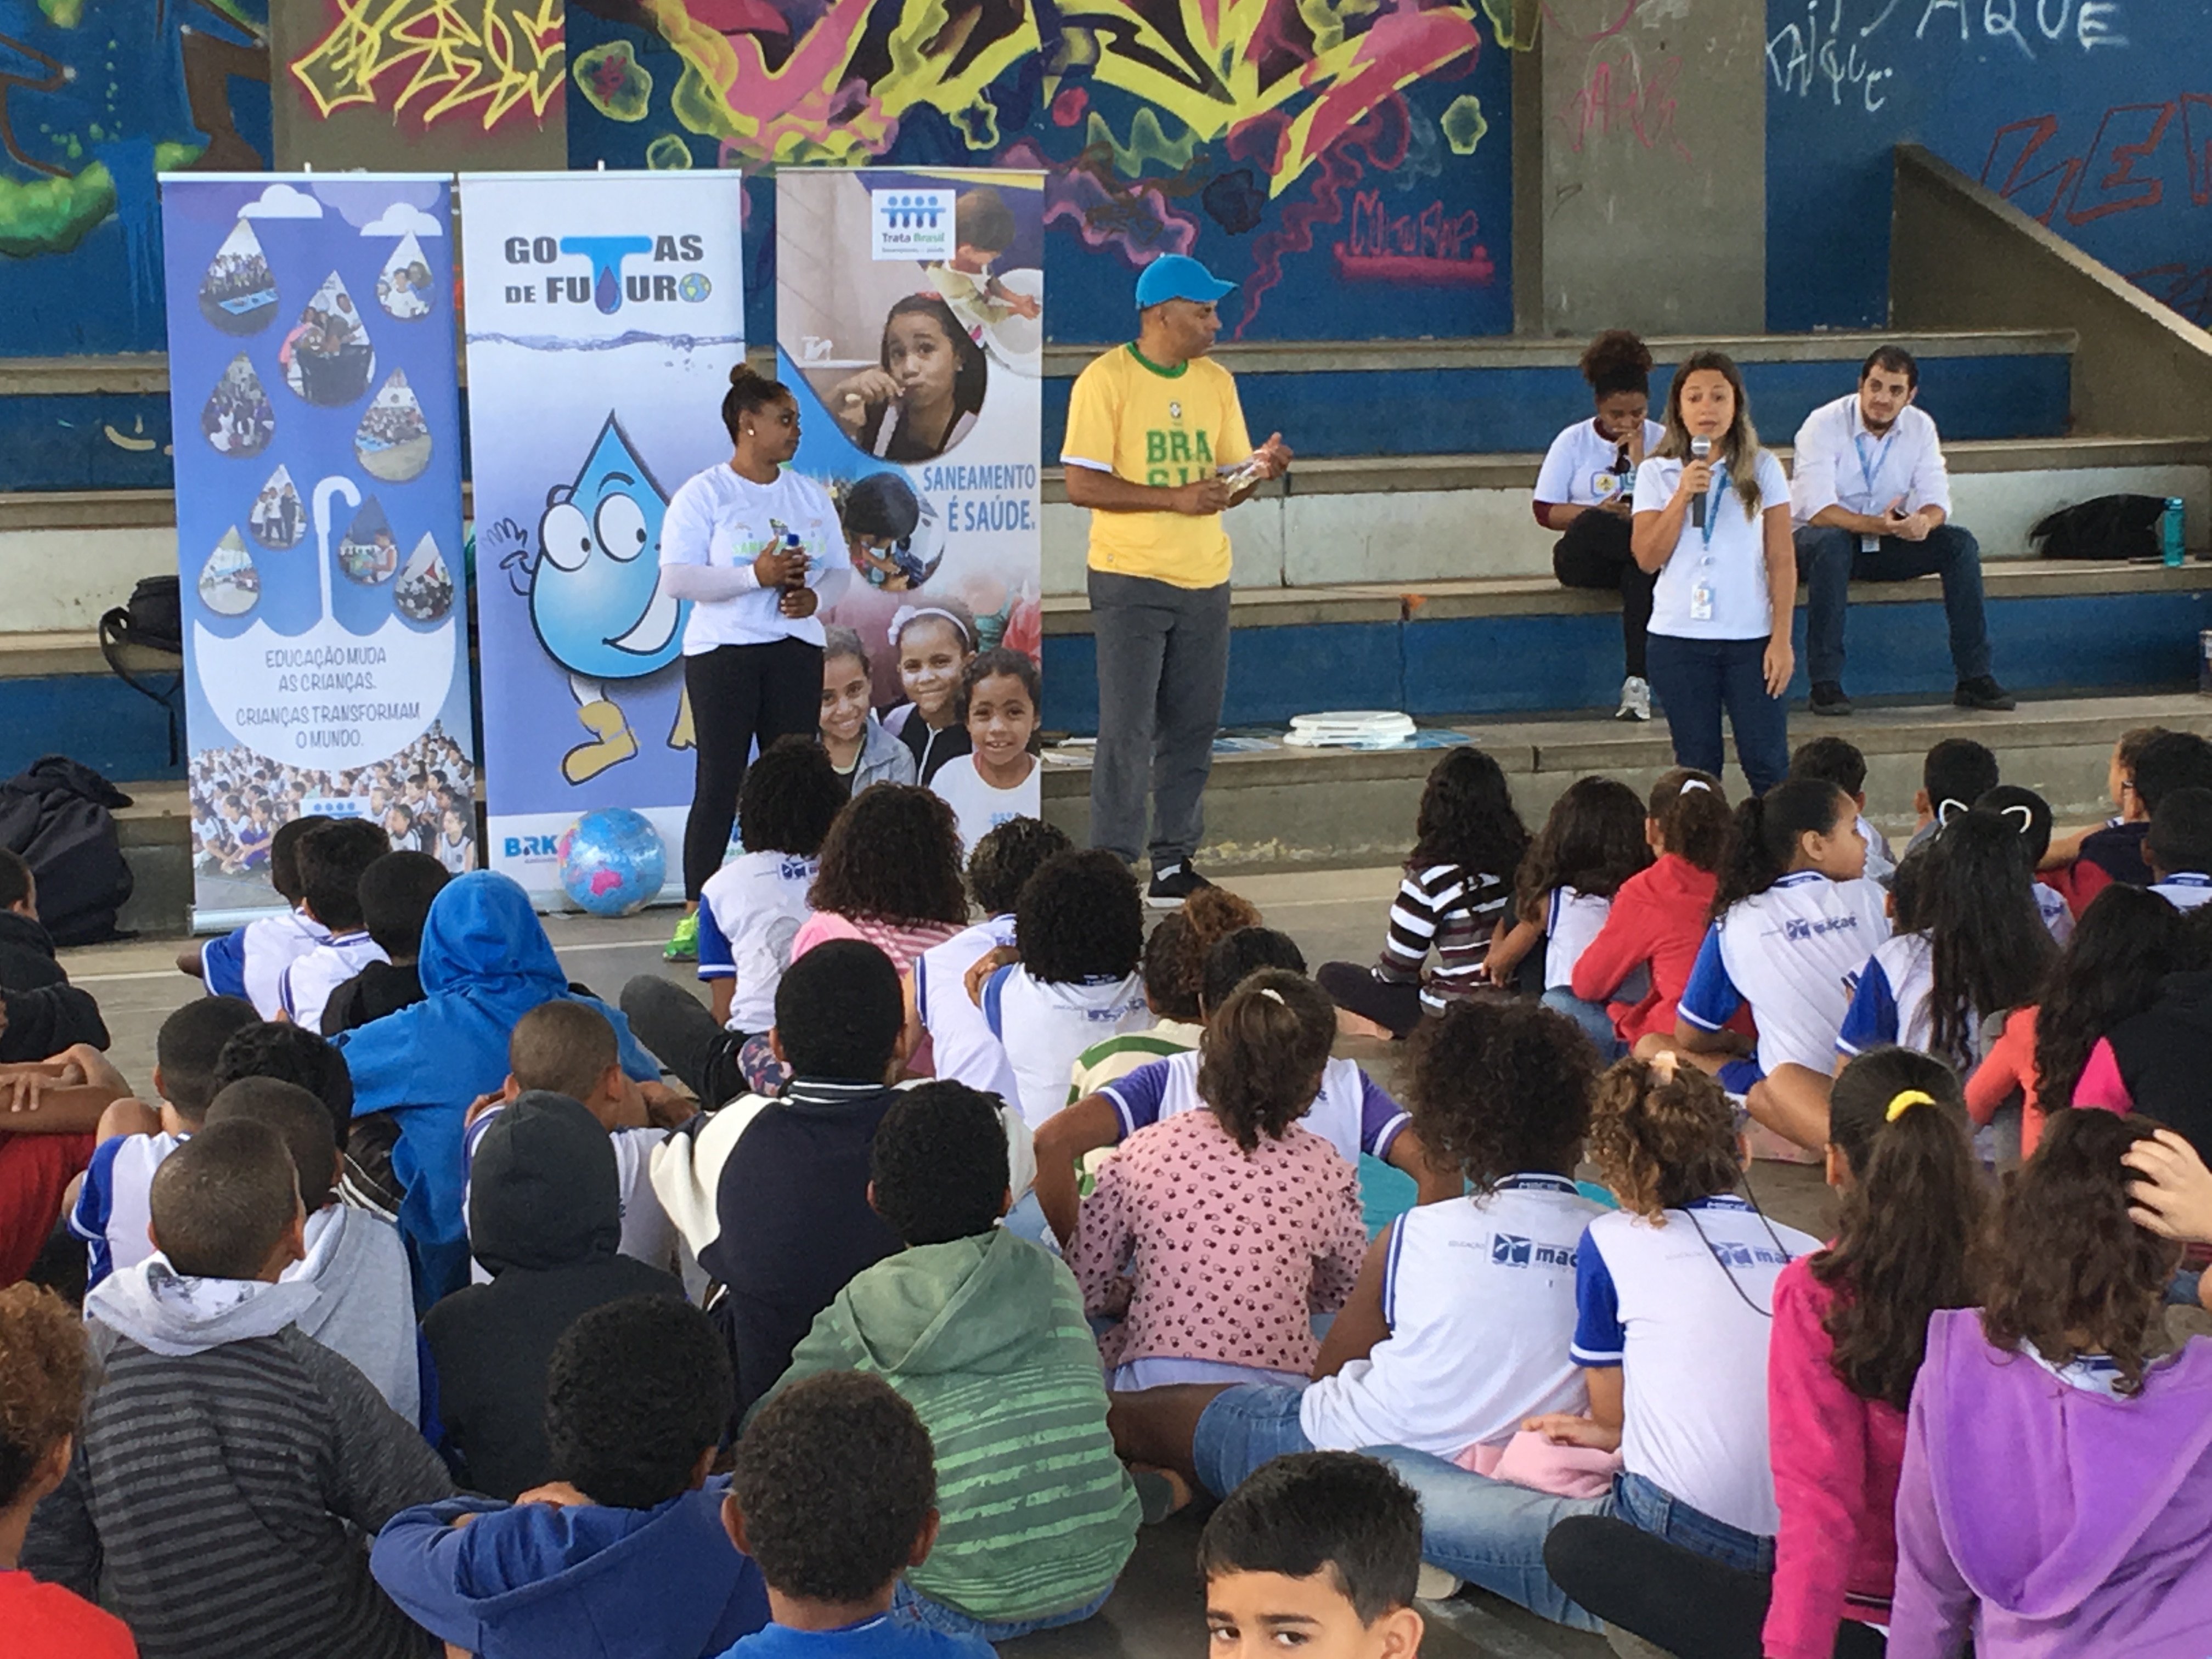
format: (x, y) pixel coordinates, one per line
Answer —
(1763, 841)
(1692, 816)
(1262, 1058)
(1911, 1216)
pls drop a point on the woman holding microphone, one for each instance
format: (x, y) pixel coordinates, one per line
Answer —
(758, 551)
(1712, 522)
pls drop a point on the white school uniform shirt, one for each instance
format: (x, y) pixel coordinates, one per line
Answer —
(1352, 1112)
(111, 1209)
(647, 1234)
(1686, 1311)
(1838, 463)
(961, 1043)
(1571, 921)
(1579, 468)
(1793, 953)
(1890, 1003)
(1480, 1297)
(2052, 906)
(721, 520)
(979, 806)
(271, 944)
(1731, 564)
(2183, 891)
(1881, 863)
(304, 988)
(749, 911)
(1046, 1026)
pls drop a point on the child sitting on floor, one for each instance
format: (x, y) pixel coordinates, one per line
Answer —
(1956, 773)
(834, 1495)
(1174, 969)
(2178, 848)
(202, 1359)
(332, 861)
(1839, 761)
(1215, 1235)
(622, 1555)
(247, 961)
(396, 891)
(2029, 815)
(984, 1334)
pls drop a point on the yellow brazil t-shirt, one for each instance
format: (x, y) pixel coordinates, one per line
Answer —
(1155, 426)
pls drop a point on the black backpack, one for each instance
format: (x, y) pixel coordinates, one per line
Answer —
(59, 816)
(153, 619)
(2105, 527)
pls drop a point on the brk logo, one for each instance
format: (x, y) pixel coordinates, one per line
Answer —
(912, 224)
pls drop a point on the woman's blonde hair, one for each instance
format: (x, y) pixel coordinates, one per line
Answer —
(1738, 448)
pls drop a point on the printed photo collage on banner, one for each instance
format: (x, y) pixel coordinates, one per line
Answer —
(909, 325)
(314, 332)
(314, 393)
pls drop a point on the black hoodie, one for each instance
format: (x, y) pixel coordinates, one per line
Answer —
(545, 1218)
(46, 1013)
(2165, 1054)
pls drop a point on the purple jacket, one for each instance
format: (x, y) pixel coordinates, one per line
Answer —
(2048, 1521)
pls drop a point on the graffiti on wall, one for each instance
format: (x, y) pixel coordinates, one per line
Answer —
(94, 100)
(1298, 146)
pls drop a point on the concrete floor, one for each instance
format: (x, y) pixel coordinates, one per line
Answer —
(1158, 1609)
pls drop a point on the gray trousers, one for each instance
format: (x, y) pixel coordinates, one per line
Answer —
(1162, 666)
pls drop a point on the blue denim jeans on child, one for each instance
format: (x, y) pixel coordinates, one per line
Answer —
(1243, 1427)
(910, 1606)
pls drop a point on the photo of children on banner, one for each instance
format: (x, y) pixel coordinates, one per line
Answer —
(278, 519)
(229, 585)
(424, 592)
(238, 418)
(393, 439)
(927, 389)
(1003, 313)
(367, 554)
(402, 288)
(327, 358)
(238, 294)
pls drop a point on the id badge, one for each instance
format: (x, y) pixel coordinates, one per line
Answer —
(1701, 601)
(1870, 543)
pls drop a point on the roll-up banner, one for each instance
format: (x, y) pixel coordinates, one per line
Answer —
(313, 386)
(604, 314)
(910, 327)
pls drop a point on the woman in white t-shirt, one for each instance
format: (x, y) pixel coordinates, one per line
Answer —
(757, 549)
(1715, 528)
(997, 779)
(1585, 488)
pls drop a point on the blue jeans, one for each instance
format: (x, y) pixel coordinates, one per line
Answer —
(1828, 561)
(1695, 680)
(1243, 1427)
(1592, 1016)
(1649, 1507)
(910, 1606)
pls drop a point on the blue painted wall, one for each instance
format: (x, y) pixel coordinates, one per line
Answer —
(2094, 116)
(93, 718)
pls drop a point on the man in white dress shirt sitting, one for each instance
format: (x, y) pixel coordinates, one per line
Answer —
(1872, 503)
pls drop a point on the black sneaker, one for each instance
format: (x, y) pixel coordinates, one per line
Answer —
(1171, 884)
(1982, 692)
(1828, 698)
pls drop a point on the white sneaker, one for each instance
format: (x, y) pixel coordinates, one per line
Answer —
(1635, 699)
(1436, 1584)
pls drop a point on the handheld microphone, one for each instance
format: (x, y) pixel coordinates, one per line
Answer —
(1700, 449)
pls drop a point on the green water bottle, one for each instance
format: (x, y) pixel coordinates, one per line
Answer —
(2169, 534)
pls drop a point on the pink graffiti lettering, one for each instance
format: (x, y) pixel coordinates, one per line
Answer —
(1617, 95)
(2115, 173)
(1432, 248)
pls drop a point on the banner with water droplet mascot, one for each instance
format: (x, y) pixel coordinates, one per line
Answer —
(605, 310)
(909, 317)
(313, 388)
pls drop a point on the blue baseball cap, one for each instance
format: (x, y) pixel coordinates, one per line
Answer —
(1179, 276)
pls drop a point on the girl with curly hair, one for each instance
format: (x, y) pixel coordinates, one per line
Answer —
(1214, 1236)
(1467, 841)
(2057, 1492)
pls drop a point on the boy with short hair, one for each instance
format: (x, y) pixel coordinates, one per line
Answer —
(2169, 762)
(396, 891)
(46, 1013)
(1957, 773)
(1323, 1548)
(207, 1554)
(364, 1309)
(834, 1495)
(110, 1212)
(772, 1194)
(1838, 761)
(624, 1553)
(332, 861)
(984, 1335)
(2178, 848)
(247, 961)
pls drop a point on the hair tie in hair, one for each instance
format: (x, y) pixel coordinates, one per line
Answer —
(907, 615)
(1688, 784)
(2026, 819)
(1948, 808)
(1274, 996)
(1905, 1100)
(1661, 1066)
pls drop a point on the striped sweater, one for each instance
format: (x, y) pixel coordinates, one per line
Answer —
(985, 1337)
(1451, 910)
(229, 1497)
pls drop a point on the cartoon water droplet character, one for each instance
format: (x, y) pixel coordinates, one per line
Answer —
(229, 585)
(393, 439)
(238, 418)
(425, 590)
(278, 517)
(368, 553)
(403, 286)
(238, 294)
(593, 583)
(327, 357)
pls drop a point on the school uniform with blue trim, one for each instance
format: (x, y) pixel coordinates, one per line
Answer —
(1352, 1112)
(111, 1211)
(1890, 1002)
(2185, 890)
(1045, 1026)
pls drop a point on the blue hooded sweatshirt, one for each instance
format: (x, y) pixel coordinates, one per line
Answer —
(485, 963)
(534, 1582)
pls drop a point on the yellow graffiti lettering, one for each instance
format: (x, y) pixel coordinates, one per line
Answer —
(438, 58)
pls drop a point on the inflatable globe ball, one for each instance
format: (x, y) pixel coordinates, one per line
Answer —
(612, 861)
